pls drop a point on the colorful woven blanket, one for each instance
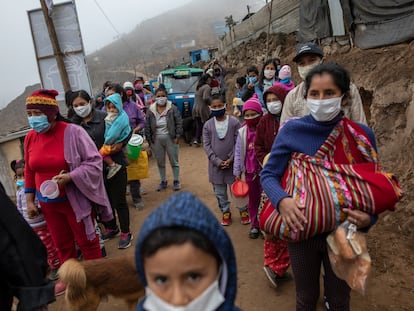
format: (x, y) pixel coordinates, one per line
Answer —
(344, 173)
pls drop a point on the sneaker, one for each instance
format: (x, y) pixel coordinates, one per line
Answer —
(245, 219)
(254, 233)
(112, 170)
(103, 252)
(226, 220)
(60, 288)
(162, 185)
(139, 205)
(109, 234)
(125, 240)
(326, 303)
(273, 277)
(177, 185)
(53, 275)
(196, 143)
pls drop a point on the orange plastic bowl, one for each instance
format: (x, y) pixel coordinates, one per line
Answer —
(240, 189)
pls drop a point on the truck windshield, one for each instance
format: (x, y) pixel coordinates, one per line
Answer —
(180, 85)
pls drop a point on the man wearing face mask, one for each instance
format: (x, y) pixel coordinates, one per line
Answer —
(308, 56)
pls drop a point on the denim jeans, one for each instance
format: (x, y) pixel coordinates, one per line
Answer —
(220, 190)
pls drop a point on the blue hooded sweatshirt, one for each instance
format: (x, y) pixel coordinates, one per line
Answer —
(120, 129)
(186, 210)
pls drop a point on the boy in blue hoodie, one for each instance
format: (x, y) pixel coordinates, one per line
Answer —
(185, 259)
(117, 129)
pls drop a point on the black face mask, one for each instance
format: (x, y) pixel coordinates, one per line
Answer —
(217, 73)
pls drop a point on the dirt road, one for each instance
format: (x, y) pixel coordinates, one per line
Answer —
(386, 290)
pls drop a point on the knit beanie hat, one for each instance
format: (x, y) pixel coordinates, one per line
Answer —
(285, 72)
(253, 103)
(45, 101)
(277, 89)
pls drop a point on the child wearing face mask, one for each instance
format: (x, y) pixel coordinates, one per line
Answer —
(268, 76)
(117, 129)
(285, 78)
(38, 222)
(251, 86)
(276, 256)
(246, 162)
(185, 259)
(219, 137)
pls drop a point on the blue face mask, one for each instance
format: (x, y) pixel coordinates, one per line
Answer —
(20, 182)
(252, 80)
(39, 123)
(218, 112)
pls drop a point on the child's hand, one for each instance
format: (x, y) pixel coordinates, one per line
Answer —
(115, 148)
(32, 210)
(227, 163)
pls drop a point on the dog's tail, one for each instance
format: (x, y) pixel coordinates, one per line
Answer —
(72, 273)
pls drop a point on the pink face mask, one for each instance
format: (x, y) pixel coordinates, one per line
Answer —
(139, 86)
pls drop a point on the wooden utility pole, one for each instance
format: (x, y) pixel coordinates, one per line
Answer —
(56, 48)
(268, 26)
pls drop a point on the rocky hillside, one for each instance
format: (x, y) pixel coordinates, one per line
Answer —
(161, 40)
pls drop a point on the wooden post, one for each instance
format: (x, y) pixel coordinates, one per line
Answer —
(56, 48)
(268, 27)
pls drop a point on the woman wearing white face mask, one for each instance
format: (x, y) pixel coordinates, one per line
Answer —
(309, 55)
(323, 132)
(163, 129)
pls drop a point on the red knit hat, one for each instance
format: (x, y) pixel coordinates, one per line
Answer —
(45, 101)
(253, 103)
(277, 89)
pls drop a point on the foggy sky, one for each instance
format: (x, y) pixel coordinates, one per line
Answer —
(17, 57)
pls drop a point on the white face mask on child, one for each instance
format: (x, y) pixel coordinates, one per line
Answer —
(274, 107)
(110, 117)
(209, 300)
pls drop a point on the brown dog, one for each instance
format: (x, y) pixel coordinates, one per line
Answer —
(91, 280)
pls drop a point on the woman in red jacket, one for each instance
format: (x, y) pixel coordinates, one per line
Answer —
(276, 256)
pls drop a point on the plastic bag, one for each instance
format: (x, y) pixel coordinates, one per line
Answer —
(348, 254)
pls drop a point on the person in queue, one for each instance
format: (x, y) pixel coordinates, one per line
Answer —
(137, 123)
(64, 153)
(93, 121)
(308, 56)
(163, 130)
(185, 259)
(276, 256)
(327, 89)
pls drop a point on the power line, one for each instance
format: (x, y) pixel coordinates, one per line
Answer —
(107, 18)
(113, 26)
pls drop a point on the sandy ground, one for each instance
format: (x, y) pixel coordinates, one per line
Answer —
(388, 289)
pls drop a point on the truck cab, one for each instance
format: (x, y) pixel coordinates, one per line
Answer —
(180, 83)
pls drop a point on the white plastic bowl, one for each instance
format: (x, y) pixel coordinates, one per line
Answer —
(49, 189)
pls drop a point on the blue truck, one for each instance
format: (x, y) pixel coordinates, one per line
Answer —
(180, 83)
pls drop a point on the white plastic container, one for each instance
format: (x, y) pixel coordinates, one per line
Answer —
(49, 189)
